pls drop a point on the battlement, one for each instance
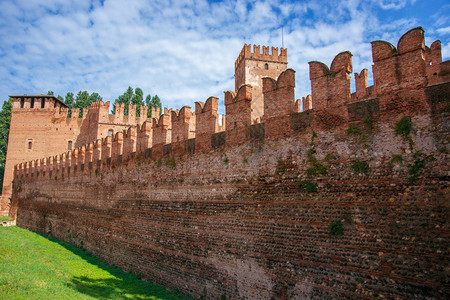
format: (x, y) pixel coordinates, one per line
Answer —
(48, 102)
(274, 55)
(401, 79)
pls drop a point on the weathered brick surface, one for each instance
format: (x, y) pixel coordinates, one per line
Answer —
(247, 231)
(225, 214)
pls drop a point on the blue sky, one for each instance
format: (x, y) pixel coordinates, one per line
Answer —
(184, 51)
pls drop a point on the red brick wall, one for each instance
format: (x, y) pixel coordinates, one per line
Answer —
(244, 228)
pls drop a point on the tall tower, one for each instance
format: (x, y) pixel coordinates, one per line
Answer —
(250, 67)
(37, 130)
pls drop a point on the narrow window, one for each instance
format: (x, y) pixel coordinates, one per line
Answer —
(110, 132)
(32, 103)
(69, 146)
(43, 103)
(22, 102)
(30, 145)
(266, 66)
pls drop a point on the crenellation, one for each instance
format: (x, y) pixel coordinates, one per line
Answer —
(74, 162)
(412, 40)
(97, 150)
(117, 148)
(129, 144)
(89, 154)
(143, 114)
(298, 105)
(307, 103)
(162, 133)
(82, 158)
(330, 88)
(144, 137)
(206, 123)
(238, 112)
(75, 113)
(279, 102)
(361, 84)
(68, 162)
(436, 72)
(31, 168)
(183, 128)
(155, 112)
(106, 149)
(401, 69)
(131, 114)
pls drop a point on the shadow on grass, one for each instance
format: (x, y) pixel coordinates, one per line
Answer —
(113, 288)
(123, 286)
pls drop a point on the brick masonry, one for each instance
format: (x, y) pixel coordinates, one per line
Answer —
(226, 216)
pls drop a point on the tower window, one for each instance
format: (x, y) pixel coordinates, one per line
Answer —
(30, 145)
(266, 66)
(69, 146)
(110, 132)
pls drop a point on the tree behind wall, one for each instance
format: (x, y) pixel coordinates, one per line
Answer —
(82, 100)
(153, 102)
(136, 97)
(5, 121)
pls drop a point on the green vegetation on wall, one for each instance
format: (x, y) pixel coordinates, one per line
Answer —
(335, 228)
(316, 168)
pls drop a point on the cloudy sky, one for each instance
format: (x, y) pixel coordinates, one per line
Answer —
(184, 51)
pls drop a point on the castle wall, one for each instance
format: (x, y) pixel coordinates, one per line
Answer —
(244, 229)
(249, 212)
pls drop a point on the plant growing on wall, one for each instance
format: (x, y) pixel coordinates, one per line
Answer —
(159, 163)
(396, 159)
(360, 167)
(403, 128)
(352, 129)
(316, 168)
(171, 162)
(369, 123)
(306, 185)
(336, 228)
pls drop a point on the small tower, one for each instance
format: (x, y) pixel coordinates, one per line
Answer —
(250, 67)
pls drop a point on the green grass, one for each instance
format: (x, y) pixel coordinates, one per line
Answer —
(33, 266)
(5, 218)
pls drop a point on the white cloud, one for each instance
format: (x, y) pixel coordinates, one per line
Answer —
(392, 4)
(445, 30)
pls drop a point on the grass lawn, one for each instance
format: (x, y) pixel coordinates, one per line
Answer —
(33, 266)
(5, 218)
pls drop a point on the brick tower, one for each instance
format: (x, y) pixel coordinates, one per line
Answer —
(250, 67)
(35, 131)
